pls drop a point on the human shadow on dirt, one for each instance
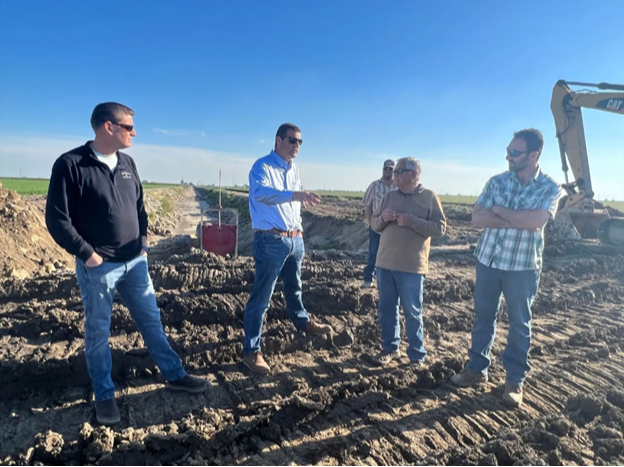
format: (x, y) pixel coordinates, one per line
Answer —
(353, 403)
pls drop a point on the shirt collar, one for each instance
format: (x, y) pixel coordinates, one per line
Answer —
(419, 189)
(533, 179)
(92, 152)
(279, 161)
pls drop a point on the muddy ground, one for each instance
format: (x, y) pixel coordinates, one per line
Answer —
(325, 402)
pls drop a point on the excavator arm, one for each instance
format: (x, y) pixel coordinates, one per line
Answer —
(578, 214)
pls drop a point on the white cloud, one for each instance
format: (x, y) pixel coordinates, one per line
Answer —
(170, 164)
(261, 141)
(173, 132)
(34, 155)
(442, 178)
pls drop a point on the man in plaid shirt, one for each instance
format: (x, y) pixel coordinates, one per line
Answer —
(513, 208)
(372, 203)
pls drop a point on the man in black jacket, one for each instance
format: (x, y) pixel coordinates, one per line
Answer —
(95, 211)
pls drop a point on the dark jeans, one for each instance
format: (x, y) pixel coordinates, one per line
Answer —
(519, 289)
(275, 256)
(373, 246)
(405, 289)
(97, 286)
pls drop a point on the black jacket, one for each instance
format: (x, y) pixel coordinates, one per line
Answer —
(90, 208)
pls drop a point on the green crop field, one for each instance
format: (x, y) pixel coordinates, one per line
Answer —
(150, 186)
(456, 199)
(26, 186)
(341, 194)
(39, 186)
(619, 205)
(446, 199)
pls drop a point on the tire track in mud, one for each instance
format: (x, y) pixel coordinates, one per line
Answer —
(325, 402)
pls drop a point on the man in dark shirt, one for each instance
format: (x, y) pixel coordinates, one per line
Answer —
(95, 211)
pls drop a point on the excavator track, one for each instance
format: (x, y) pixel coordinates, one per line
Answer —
(611, 231)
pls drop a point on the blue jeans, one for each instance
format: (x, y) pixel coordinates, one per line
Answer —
(275, 256)
(97, 287)
(373, 246)
(405, 289)
(519, 289)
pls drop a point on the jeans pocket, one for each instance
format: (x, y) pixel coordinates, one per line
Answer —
(271, 242)
(273, 247)
(93, 268)
(272, 238)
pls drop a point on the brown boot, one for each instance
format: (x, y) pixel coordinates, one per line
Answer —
(318, 329)
(512, 395)
(255, 362)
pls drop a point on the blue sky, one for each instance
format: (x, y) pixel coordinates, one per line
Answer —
(447, 82)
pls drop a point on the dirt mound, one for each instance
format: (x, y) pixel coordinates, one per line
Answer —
(337, 223)
(160, 205)
(613, 212)
(27, 247)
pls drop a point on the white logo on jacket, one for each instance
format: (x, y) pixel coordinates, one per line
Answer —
(126, 175)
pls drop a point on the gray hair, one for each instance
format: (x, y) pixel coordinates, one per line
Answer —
(411, 163)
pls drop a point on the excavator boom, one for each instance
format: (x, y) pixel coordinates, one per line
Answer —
(578, 215)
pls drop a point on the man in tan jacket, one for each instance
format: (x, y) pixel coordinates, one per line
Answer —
(408, 218)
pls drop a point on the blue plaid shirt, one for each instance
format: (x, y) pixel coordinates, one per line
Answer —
(516, 249)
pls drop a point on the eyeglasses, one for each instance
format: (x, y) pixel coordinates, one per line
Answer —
(293, 140)
(128, 128)
(400, 171)
(515, 153)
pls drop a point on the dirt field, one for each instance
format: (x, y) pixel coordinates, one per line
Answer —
(325, 402)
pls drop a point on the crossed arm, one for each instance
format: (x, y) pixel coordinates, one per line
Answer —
(499, 217)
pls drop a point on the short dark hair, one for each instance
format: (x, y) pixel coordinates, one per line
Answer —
(533, 138)
(108, 112)
(284, 127)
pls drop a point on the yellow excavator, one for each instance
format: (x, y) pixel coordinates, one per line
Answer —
(579, 216)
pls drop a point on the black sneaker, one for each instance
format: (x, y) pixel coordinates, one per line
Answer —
(106, 412)
(190, 384)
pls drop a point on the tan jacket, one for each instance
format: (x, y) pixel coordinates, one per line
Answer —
(406, 248)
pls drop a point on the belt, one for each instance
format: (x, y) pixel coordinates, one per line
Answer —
(284, 233)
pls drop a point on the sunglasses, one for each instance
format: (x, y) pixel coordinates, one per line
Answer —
(293, 140)
(400, 171)
(388, 168)
(128, 128)
(515, 153)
